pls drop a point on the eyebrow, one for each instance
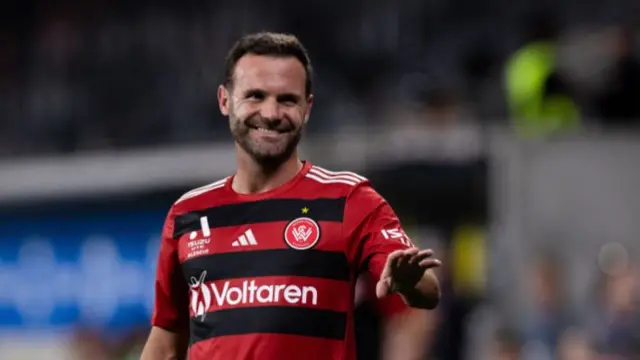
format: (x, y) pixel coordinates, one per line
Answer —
(289, 97)
(280, 97)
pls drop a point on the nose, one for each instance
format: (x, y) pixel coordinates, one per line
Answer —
(270, 109)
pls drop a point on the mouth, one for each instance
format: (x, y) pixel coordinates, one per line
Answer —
(266, 130)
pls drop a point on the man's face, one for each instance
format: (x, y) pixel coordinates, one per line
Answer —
(267, 106)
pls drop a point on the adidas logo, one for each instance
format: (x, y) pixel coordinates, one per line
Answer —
(246, 239)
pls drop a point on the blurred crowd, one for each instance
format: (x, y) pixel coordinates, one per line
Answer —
(114, 74)
(605, 327)
(111, 74)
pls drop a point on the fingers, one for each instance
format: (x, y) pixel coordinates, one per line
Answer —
(392, 261)
(405, 257)
(399, 254)
(412, 256)
(406, 261)
(383, 287)
(430, 263)
(424, 258)
(420, 255)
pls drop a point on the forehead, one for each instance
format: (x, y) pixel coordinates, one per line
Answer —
(270, 73)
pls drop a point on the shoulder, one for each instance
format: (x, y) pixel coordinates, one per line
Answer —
(345, 180)
(350, 185)
(194, 196)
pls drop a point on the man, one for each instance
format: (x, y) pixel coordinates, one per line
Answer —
(262, 264)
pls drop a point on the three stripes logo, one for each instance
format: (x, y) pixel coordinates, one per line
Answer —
(246, 239)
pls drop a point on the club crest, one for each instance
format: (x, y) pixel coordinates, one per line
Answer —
(302, 233)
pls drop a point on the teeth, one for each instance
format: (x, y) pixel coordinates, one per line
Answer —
(266, 130)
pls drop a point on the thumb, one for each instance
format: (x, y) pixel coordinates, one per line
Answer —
(382, 287)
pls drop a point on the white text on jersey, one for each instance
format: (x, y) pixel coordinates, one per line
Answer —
(397, 234)
(248, 293)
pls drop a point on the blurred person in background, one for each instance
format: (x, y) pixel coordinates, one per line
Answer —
(385, 328)
(88, 343)
(538, 96)
(548, 317)
(506, 345)
(615, 322)
(433, 169)
(131, 344)
(574, 345)
(617, 104)
(267, 95)
(400, 332)
(436, 128)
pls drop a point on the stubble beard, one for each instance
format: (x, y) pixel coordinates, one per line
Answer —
(266, 158)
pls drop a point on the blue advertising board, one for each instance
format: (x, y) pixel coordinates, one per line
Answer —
(87, 268)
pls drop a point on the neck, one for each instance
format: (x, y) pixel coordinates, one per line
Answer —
(254, 178)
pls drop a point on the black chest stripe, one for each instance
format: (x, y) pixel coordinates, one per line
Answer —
(271, 320)
(321, 209)
(279, 262)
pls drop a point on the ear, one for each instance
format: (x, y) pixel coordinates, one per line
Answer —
(308, 110)
(223, 100)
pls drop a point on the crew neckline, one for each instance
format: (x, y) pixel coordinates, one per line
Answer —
(269, 193)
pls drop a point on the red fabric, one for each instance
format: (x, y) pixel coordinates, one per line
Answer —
(368, 231)
(371, 221)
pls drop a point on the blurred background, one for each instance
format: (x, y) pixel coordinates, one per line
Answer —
(505, 134)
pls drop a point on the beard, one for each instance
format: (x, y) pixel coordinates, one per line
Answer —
(269, 153)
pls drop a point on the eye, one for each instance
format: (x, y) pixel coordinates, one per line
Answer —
(255, 95)
(288, 100)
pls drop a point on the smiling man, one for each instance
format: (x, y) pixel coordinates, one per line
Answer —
(263, 264)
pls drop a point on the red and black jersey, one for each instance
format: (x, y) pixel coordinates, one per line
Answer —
(272, 275)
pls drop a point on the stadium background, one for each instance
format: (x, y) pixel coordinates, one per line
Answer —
(504, 133)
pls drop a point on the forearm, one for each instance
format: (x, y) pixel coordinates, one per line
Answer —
(425, 294)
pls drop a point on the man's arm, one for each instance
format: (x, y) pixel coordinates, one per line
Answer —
(388, 253)
(169, 335)
(408, 273)
(425, 294)
(165, 345)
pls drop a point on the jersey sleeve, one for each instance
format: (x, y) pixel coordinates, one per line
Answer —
(374, 228)
(386, 307)
(170, 309)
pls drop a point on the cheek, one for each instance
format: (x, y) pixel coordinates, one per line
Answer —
(296, 115)
(244, 109)
(240, 112)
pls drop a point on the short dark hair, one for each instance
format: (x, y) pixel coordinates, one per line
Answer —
(269, 44)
